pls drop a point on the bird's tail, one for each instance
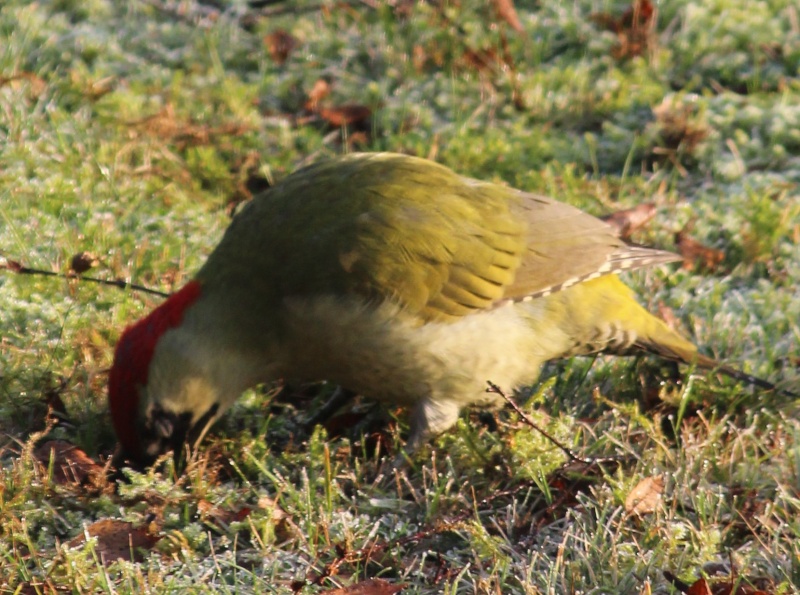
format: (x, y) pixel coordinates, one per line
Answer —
(614, 322)
(658, 338)
(692, 357)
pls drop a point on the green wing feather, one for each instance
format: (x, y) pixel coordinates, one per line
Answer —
(400, 228)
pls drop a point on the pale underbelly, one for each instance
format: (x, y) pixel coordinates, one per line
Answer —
(380, 354)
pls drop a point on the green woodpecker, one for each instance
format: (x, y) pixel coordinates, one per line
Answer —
(392, 277)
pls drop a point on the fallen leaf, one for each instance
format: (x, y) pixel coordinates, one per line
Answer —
(184, 133)
(345, 115)
(480, 60)
(36, 84)
(11, 265)
(220, 516)
(680, 128)
(319, 91)
(645, 498)
(358, 139)
(117, 540)
(82, 262)
(70, 464)
(280, 44)
(730, 585)
(699, 587)
(92, 89)
(506, 11)
(639, 14)
(629, 220)
(374, 586)
(696, 255)
(635, 29)
(267, 503)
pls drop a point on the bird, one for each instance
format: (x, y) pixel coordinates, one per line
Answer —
(392, 277)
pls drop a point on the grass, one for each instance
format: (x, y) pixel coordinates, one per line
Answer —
(130, 130)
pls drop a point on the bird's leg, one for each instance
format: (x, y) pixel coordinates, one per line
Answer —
(430, 417)
(338, 399)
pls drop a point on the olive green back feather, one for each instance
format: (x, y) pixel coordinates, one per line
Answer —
(393, 227)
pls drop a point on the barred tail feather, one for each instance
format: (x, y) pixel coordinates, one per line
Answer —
(676, 348)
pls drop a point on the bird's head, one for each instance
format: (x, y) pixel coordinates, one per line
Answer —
(148, 420)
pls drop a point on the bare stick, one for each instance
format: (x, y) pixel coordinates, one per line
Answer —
(493, 388)
(18, 268)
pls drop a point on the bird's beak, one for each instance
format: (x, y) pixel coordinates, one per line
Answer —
(165, 431)
(123, 458)
(182, 452)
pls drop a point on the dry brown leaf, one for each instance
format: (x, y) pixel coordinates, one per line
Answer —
(639, 14)
(358, 139)
(92, 89)
(374, 586)
(681, 130)
(506, 11)
(280, 44)
(345, 115)
(36, 84)
(320, 91)
(729, 585)
(70, 464)
(11, 265)
(284, 527)
(630, 220)
(696, 255)
(480, 60)
(267, 503)
(82, 262)
(699, 587)
(635, 29)
(403, 8)
(221, 516)
(168, 126)
(117, 540)
(645, 498)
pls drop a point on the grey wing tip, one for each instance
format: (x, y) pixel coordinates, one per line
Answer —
(627, 258)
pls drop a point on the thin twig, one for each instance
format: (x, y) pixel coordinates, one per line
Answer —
(16, 267)
(493, 388)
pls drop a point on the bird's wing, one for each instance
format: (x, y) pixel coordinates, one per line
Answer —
(393, 227)
(567, 246)
(445, 246)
